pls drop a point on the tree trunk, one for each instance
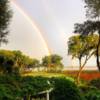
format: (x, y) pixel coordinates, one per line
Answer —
(97, 53)
(78, 75)
(81, 68)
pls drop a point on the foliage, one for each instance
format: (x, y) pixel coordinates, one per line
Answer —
(63, 89)
(90, 92)
(34, 64)
(82, 48)
(14, 87)
(93, 8)
(90, 27)
(5, 16)
(84, 88)
(33, 85)
(95, 83)
(52, 62)
(16, 62)
(10, 88)
(6, 62)
(17, 87)
(93, 95)
(93, 11)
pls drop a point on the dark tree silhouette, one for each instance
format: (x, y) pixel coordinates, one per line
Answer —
(5, 16)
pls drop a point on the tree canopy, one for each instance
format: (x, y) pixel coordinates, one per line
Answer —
(12, 61)
(5, 16)
(52, 62)
(92, 8)
(91, 26)
(82, 48)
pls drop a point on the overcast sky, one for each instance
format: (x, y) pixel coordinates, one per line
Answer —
(54, 18)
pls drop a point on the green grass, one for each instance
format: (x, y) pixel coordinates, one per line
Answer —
(45, 74)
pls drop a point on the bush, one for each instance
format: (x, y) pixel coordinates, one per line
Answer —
(85, 89)
(90, 92)
(95, 83)
(9, 88)
(33, 85)
(16, 87)
(93, 95)
(65, 89)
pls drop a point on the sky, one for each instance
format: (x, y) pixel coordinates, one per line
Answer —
(42, 26)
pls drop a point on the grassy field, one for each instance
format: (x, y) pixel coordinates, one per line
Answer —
(45, 74)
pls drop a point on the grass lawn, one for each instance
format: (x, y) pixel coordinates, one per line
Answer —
(45, 74)
(85, 75)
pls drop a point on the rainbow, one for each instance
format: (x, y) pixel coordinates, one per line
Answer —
(34, 25)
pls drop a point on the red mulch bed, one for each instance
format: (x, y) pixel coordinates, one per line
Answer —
(85, 75)
(90, 76)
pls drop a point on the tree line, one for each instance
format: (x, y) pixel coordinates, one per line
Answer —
(16, 61)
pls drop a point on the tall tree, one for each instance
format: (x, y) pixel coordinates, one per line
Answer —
(91, 26)
(82, 48)
(5, 16)
(93, 11)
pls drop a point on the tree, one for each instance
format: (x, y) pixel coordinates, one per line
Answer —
(56, 61)
(52, 62)
(93, 12)
(46, 61)
(6, 61)
(15, 62)
(21, 61)
(90, 27)
(82, 48)
(92, 8)
(34, 64)
(5, 16)
(9, 66)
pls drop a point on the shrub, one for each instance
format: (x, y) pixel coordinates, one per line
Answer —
(9, 88)
(85, 88)
(90, 92)
(95, 83)
(93, 95)
(65, 89)
(31, 86)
